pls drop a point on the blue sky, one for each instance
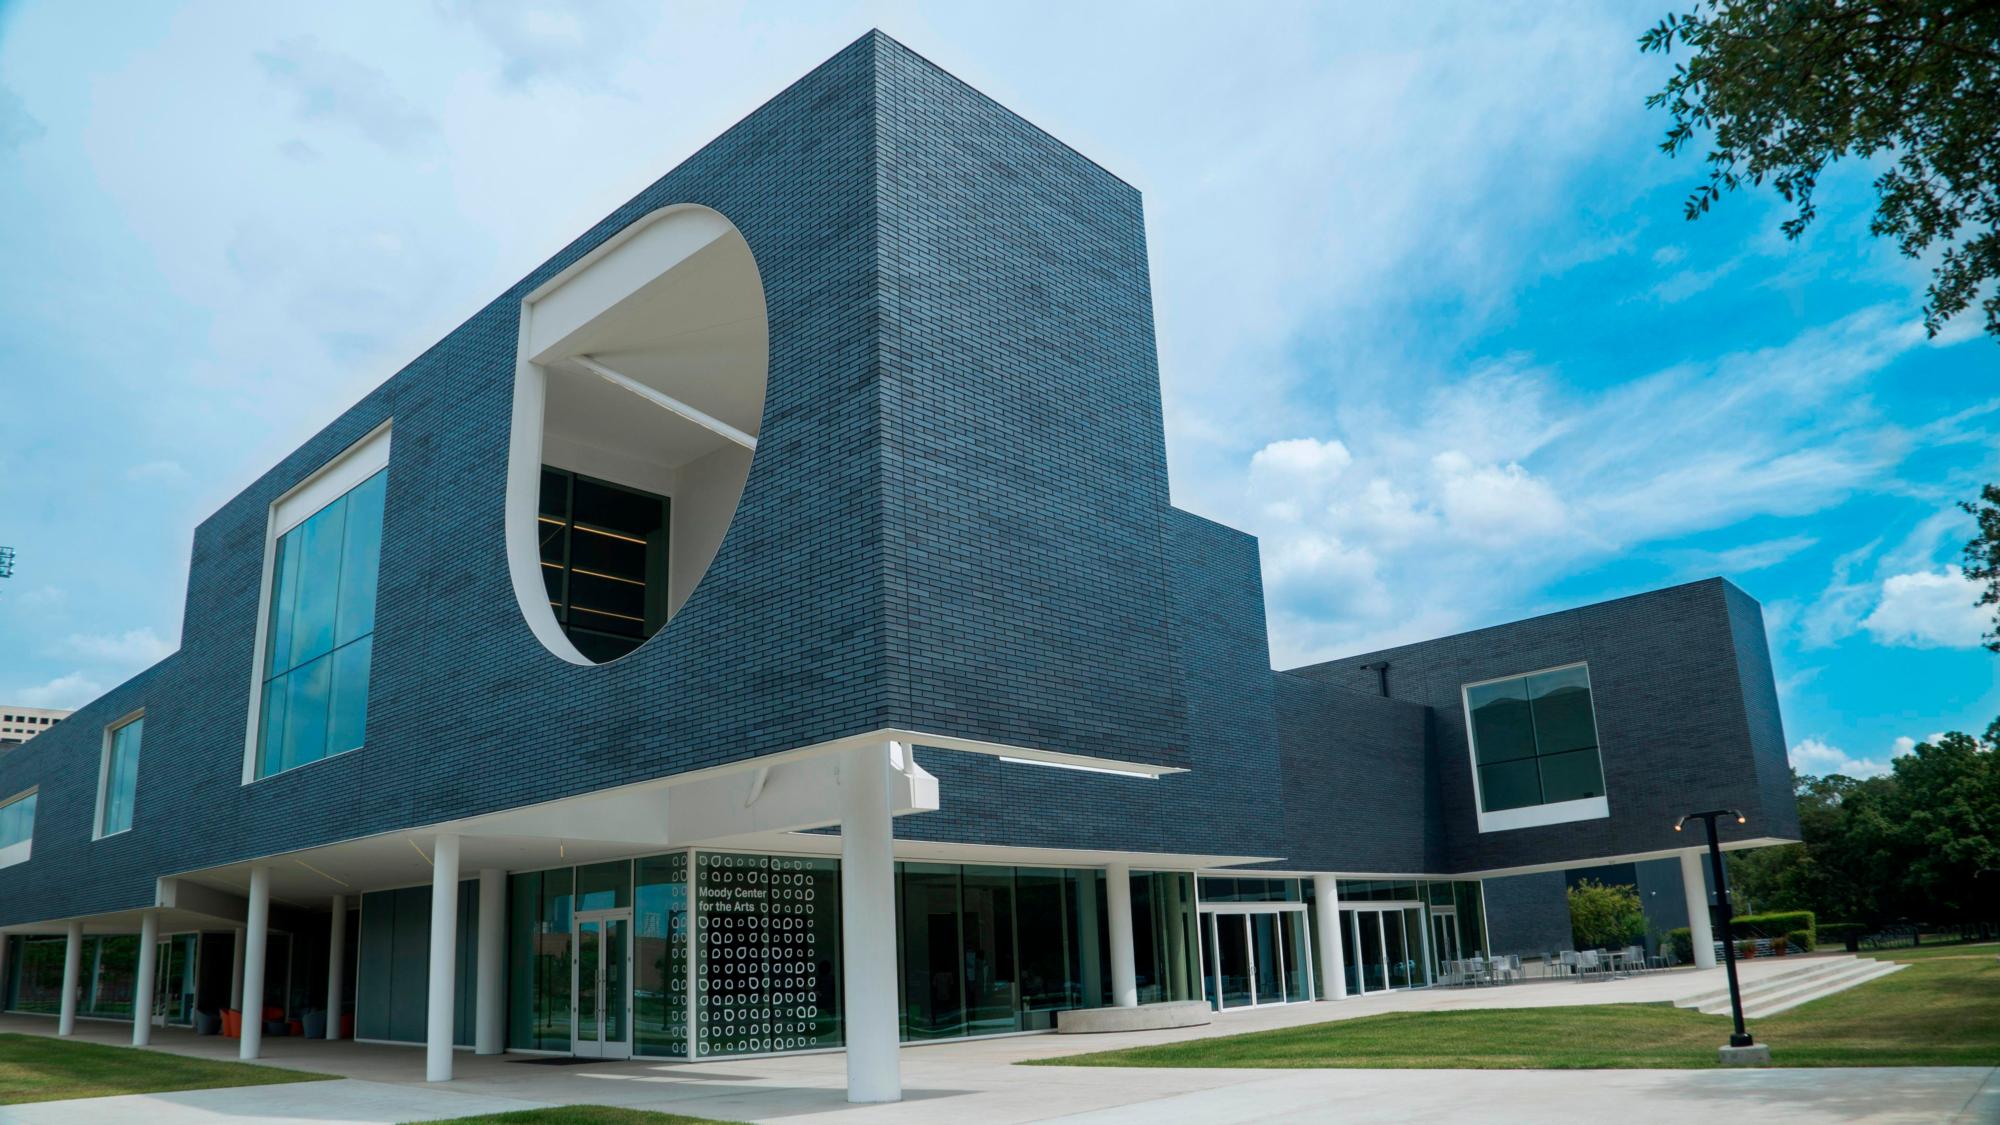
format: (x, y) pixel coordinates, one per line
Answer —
(1430, 321)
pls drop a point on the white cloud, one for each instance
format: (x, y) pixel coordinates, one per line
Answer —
(330, 86)
(134, 648)
(1495, 505)
(67, 692)
(1467, 498)
(1905, 745)
(162, 472)
(1929, 609)
(1820, 758)
(1668, 255)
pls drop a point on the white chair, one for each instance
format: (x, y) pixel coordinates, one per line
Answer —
(1587, 962)
(1571, 963)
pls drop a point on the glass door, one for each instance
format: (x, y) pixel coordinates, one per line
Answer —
(601, 984)
(1396, 948)
(173, 981)
(1269, 975)
(1232, 946)
(1444, 938)
(1368, 940)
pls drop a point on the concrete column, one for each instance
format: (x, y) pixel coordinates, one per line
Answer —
(1695, 885)
(336, 964)
(1332, 942)
(142, 987)
(490, 1016)
(72, 971)
(1118, 904)
(236, 972)
(444, 955)
(257, 927)
(868, 926)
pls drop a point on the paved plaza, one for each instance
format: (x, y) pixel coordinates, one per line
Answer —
(977, 1082)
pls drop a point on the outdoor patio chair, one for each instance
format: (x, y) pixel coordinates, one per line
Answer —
(1588, 962)
(1571, 963)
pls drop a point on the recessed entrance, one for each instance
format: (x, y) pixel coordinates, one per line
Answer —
(173, 981)
(602, 983)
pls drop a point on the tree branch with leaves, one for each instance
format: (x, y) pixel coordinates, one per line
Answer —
(1786, 88)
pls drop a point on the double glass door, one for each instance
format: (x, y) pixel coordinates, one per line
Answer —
(1388, 946)
(601, 986)
(1256, 957)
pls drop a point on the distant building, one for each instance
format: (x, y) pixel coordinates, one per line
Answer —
(19, 724)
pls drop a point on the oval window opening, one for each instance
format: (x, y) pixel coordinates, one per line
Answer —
(639, 395)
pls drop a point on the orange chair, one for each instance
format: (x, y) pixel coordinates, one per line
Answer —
(232, 1023)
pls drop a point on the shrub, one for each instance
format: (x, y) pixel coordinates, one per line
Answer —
(1801, 940)
(1682, 943)
(1773, 925)
(1846, 933)
(1605, 917)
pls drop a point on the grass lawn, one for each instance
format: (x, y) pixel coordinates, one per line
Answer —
(579, 1115)
(1944, 1010)
(37, 1068)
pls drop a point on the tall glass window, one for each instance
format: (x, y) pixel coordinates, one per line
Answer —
(1534, 739)
(659, 956)
(321, 631)
(119, 780)
(17, 829)
(604, 561)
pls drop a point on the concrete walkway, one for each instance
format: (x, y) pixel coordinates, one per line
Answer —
(978, 1082)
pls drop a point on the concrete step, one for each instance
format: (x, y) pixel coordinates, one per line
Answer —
(1771, 989)
(1769, 981)
(1772, 1005)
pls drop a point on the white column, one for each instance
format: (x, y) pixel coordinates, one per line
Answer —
(867, 926)
(444, 954)
(142, 985)
(1118, 904)
(236, 972)
(336, 964)
(489, 1017)
(257, 926)
(1695, 886)
(72, 970)
(1332, 943)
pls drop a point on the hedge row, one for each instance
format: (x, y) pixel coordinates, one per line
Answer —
(1775, 925)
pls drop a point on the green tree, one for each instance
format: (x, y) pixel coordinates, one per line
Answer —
(1982, 562)
(1605, 916)
(1787, 87)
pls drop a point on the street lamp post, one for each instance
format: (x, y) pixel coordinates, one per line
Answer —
(1740, 1038)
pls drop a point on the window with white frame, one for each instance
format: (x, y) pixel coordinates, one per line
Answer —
(17, 828)
(317, 641)
(118, 776)
(1534, 744)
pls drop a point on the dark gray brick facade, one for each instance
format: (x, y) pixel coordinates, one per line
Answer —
(1686, 713)
(957, 521)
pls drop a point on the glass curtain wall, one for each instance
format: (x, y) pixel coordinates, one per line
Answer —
(981, 949)
(107, 980)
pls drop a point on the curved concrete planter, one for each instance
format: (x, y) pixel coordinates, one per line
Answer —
(1145, 1017)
